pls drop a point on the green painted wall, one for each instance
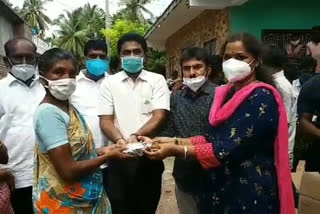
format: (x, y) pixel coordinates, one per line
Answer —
(256, 15)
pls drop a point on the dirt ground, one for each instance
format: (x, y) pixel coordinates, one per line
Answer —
(168, 202)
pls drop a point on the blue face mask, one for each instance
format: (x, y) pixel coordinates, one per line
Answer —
(132, 64)
(97, 67)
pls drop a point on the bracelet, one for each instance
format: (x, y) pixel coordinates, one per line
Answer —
(185, 152)
(120, 138)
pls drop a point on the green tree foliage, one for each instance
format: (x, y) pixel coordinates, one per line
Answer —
(156, 61)
(121, 27)
(34, 14)
(133, 10)
(77, 27)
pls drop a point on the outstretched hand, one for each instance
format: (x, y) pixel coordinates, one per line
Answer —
(161, 151)
(114, 151)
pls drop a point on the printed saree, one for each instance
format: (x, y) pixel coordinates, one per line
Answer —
(51, 194)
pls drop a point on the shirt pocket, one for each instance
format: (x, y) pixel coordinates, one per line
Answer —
(146, 107)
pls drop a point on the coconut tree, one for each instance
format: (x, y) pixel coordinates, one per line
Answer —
(134, 10)
(33, 13)
(72, 34)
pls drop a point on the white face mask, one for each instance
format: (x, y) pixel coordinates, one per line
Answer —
(23, 71)
(194, 83)
(61, 89)
(236, 70)
(295, 43)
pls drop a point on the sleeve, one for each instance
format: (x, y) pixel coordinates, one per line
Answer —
(51, 129)
(307, 100)
(251, 131)
(160, 95)
(105, 103)
(168, 128)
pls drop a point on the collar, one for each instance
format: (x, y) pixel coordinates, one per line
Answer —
(11, 80)
(204, 89)
(81, 76)
(278, 74)
(143, 75)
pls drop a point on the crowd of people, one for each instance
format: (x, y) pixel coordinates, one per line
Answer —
(231, 122)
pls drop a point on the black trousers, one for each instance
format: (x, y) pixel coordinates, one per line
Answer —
(105, 173)
(22, 201)
(135, 186)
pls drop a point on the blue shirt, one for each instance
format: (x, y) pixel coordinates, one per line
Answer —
(51, 127)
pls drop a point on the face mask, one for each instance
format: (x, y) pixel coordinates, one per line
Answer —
(23, 71)
(295, 43)
(194, 83)
(61, 89)
(132, 64)
(97, 67)
(236, 70)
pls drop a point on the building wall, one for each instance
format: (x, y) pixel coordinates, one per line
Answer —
(6, 32)
(9, 30)
(256, 15)
(211, 24)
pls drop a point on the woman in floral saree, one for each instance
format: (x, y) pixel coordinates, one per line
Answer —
(245, 150)
(67, 178)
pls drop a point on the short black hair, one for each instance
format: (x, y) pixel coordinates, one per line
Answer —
(308, 62)
(9, 44)
(274, 57)
(132, 37)
(52, 56)
(197, 53)
(97, 44)
(216, 63)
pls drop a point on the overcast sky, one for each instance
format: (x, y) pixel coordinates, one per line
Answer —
(56, 7)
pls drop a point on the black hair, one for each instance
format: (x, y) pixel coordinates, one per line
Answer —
(315, 35)
(52, 56)
(132, 37)
(216, 75)
(295, 36)
(254, 47)
(97, 44)
(197, 53)
(10, 44)
(274, 57)
(308, 62)
(216, 63)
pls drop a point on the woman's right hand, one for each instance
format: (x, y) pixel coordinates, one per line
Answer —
(115, 151)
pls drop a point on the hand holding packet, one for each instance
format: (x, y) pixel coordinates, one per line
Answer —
(136, 149)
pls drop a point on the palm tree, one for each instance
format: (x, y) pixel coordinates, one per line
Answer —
(73, 32)
(33, 13)
(134, 8)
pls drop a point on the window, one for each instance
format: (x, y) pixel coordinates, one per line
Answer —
(282, 37)
(211, 46)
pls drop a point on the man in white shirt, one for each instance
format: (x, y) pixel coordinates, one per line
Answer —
(275, 58)
(20, 94)
(85, 98)
(133, 102)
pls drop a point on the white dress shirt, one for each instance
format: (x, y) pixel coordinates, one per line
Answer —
(131, 102)
(85, 99)
(289, 97)
(18, 103)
